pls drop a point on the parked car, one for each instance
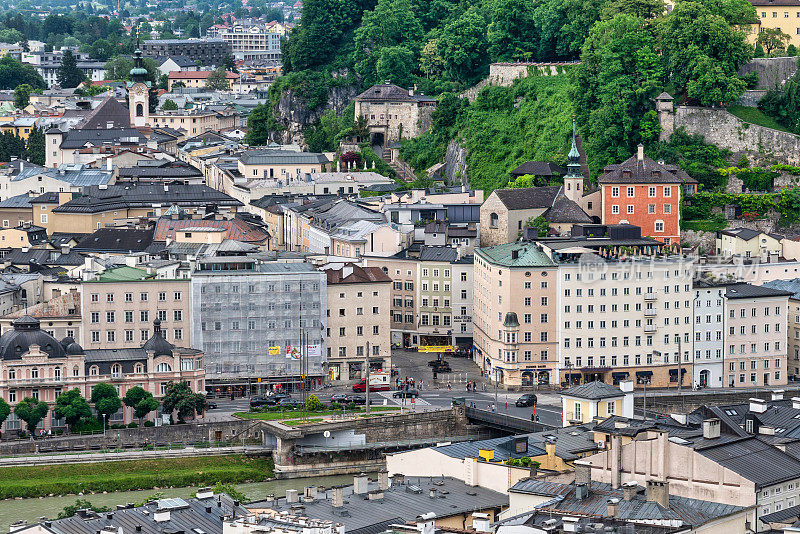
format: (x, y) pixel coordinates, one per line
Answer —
(258, 402)
(211, 405)
(339, 397)
(359, 400)
(528, 399)
(405, 394)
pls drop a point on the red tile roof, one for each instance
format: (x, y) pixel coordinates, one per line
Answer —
(359, 275)
(238, 230)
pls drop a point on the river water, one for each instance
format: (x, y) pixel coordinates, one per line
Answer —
(32, 509)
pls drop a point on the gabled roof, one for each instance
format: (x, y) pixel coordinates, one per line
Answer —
(442, 254)
(351, 273)
(742, 233)
(565, 210)
(757, 461)
(20, 201)
(539, 168)
(281, 157)
(237, 229)
(528, 197)
(388, 92)
(96, 137)
(144, 195)
(792, 286)
(749, 291)
(593, 390)
(108, 111)
(644, 171)
(116, 240)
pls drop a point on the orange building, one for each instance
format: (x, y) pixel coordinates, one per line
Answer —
(645, 193)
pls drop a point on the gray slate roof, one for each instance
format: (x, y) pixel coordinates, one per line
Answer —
(565, 210)
(400, 503)
(19, 201)
(792, 286)
(447, 254)
(752, 458)
(281, 157)
(748, 291)
(692, 512)
(539, 168)
(96, 137)
(191, 518)
(528, 197)
(645, 171)
(594, 390)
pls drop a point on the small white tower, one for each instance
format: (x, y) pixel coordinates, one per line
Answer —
(573, 181)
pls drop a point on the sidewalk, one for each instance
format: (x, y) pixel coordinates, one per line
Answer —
(96, 457)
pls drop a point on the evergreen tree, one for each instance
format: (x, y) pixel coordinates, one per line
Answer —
(36, 146)
(68, 74)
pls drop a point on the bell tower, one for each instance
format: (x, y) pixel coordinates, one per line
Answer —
(138, 90)
(573, 181)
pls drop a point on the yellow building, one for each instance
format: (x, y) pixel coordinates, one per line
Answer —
(781, 14)
(21, 126)
(582, 404)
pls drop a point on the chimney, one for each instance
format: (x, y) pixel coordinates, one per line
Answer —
(583, 474)
(640, 152)
(777, 395)
(160, 516)
(796, 403)
(658, 492)
(629, 490)
(570, 524)
(581, 491)
(425, 523)
(383, 480)
(375, 495)
(480, 522)
(398, 479)
(612, 508)
(432, 493)
(291, 496)
(311, 492)
(758, 405)
(337, 496)
(711, 428)
(360, 484)
(108, 164)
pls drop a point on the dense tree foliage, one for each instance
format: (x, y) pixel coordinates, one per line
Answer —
(180, 398)
(32, 411)
(783, 103)
(72, 407)
(68, 74)
(14, 73)
(141, 400)
(106, 400)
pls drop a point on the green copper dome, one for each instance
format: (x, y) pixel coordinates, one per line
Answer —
(138, 73)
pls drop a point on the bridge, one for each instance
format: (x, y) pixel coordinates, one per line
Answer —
(504, 422)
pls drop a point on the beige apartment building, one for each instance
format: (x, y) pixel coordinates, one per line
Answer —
(626, 320)
(59, 317)
(403, 304)
(275, 163)
(194, 122)
(515, 323)
(756, 336)
(120, 305)
(358, 322)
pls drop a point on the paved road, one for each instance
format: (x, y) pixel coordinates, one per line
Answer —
(433, 395)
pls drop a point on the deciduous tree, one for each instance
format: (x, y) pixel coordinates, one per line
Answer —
(72, 407)
(141, 401)
(32, 411)
(106, 400)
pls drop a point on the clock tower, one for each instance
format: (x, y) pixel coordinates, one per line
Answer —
(138, 93)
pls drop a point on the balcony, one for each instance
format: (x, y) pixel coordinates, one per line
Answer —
(650, 313)
(649, 296)
(650, 328)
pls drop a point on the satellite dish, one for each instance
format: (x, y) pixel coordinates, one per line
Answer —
(327, 433)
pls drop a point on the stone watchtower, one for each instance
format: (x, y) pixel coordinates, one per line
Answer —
(666, 115)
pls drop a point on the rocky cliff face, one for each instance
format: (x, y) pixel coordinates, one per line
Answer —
(455, 161)
(293, 114)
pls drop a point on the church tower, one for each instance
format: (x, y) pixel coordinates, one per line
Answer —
(138, 91)
(573, 181)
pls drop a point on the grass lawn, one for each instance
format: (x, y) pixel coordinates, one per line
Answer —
(299, 414)
(756, 116)
(40, 481)
(298, 422)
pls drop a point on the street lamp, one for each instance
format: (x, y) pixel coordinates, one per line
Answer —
(105, 421)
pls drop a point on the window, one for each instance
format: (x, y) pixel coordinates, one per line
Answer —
(630, 209)
(651, 192)
(163, 367)
(615, 209)
(630, 192)
(659, 227)
(615, 191)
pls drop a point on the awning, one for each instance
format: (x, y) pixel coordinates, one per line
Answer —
(644, 373)
(675, 371)
(620, 374)
(574, 375)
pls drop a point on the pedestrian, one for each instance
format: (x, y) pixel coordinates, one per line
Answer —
(532, 418)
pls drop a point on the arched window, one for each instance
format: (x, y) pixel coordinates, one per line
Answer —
(116, 370)
(493, 220)
(139, 110)
(139, 368)
(93, 370)
(163, 367)
(75, 371)
(57, 373)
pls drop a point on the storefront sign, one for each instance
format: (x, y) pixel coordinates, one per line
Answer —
(274, 351)
(436, 348)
